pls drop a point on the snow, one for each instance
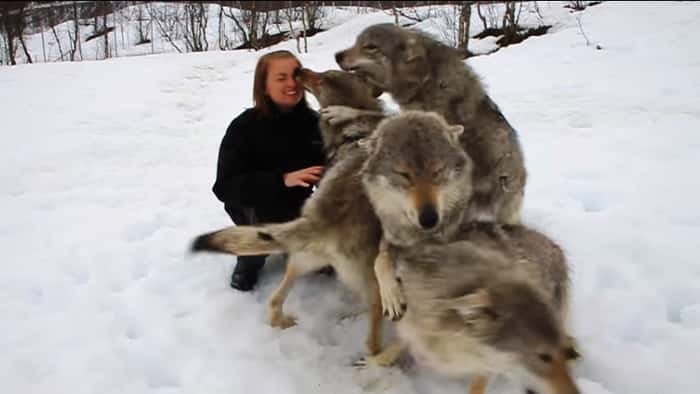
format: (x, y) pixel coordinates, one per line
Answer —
(106, 172)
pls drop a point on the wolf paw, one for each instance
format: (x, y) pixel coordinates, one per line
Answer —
(284, 321)
(337, 114)
(380, 360)
(393, 301)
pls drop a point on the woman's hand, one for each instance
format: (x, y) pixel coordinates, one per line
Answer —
(304, 177)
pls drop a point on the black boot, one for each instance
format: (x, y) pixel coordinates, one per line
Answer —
(245, 275)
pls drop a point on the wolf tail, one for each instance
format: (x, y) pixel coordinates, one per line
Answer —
(254, 240)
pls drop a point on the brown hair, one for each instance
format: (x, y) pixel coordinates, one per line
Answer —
(261, 101)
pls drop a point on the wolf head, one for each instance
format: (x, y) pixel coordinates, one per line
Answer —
(395, 59)
(334, 87)
(512, 317)
(417, 176)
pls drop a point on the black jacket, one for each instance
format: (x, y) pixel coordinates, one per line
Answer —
(255, 154)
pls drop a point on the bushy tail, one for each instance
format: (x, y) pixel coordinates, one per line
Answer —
(253, 240)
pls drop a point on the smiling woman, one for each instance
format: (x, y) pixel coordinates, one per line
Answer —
(269, 157)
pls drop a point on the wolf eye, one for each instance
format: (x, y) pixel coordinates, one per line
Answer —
(406, 176)
(545, 357)
(438, 172)
(571, 354)
(371, 48)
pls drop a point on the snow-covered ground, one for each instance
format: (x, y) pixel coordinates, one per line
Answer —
(106, 171)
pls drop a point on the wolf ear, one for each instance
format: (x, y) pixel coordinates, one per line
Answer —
(412, 50)
(456, 130)
(367, 144)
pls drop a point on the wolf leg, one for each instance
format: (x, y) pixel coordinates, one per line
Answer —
(374, 337)
(510, 202)
(393, 301)
(298, 264)
(276, 301)
(478, 385)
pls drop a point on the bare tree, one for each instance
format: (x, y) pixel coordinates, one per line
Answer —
(454, 29)
(252, 24)
(577, 5)
(231, 14)
(413, 14)
(196, 20)
(225, 43)
(142, 28)
(395, 12)
(314, 14)
(106, 36)
(465, 14)
(3, 49)
(537, 12)
(305, 24)
(511, 16)
(488, 15)
(21, 24)
(583, 33)
(53, 18)
(166, 23)
(289, 14)
(12, 18)
(58, 42)
(75, 40)
(448, 25)
(122, 17)
(251, 20)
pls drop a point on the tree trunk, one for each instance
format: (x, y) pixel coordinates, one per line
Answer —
(58, 42)
(464, 24)
(9, 30)
(253, 37)
(19, 32)
(290, 13)
(104, 26)
(76, 35)
(24, 48)
(481, 16)
(238, 23)
(222, 33)
(43, 43)
(304, 23)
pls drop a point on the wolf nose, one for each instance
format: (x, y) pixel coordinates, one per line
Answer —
(428, 217)
(339, 57)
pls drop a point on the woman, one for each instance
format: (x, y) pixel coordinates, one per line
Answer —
(270, 156)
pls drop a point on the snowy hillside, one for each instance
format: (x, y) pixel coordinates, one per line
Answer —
(106, 171)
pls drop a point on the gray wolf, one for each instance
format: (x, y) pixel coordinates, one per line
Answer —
(492, 302)
(338, 224)
(419, 185)
(421, 73)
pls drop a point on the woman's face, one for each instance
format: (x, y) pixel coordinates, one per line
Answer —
(280, 85)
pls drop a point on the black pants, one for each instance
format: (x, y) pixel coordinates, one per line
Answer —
(246, 216)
